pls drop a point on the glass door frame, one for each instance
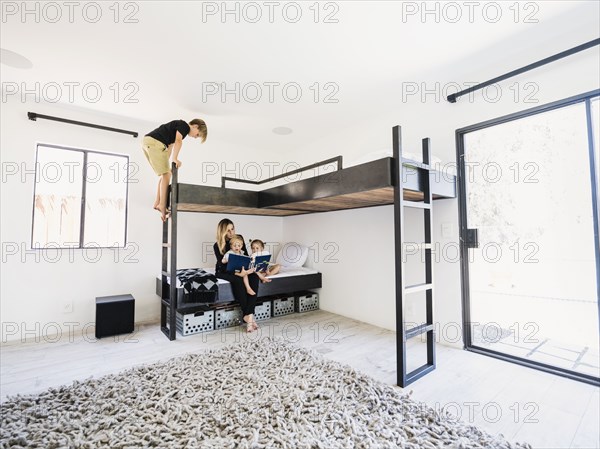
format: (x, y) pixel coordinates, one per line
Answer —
(464, 238)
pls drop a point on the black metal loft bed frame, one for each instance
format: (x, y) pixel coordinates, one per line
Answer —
(393, 181)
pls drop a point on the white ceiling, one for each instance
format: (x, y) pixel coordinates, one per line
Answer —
(173, 49)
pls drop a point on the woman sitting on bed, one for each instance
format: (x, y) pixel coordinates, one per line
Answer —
(225, 231)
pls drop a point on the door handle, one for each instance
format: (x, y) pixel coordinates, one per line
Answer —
(472, 238)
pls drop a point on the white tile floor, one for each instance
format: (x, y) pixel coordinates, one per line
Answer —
(522, 404)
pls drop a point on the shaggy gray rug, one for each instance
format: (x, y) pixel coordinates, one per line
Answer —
(248, 395)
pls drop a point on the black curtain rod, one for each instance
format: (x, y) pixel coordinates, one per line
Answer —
(33, 116)
(452, 98)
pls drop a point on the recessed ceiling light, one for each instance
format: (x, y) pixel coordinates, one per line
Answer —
(12, 59)
(282, 130)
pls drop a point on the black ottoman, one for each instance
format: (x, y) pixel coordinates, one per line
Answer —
(114, 315)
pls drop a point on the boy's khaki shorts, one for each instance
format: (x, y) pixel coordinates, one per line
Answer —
(157, 154)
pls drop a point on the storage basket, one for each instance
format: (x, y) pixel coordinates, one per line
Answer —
(307, 302)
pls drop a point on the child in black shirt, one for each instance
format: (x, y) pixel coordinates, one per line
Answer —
(158, 146)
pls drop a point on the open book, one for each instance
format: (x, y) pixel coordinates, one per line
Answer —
(235, 262)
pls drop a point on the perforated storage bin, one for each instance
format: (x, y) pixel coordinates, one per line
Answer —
(262, 311)
(307, 301)
(284, 305)
(194, 323)
(228, 316)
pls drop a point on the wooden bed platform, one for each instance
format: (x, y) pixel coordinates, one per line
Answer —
(366, 185)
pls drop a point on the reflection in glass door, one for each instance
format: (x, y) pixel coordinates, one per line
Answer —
(529, 223)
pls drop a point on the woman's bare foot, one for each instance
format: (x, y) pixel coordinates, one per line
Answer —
(265, 280)
(249, 326)
(250, 321)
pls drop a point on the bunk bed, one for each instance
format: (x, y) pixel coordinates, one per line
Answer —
(392, 180)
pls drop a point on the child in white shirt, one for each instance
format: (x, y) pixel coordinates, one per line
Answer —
(236, 243)
(258, 249)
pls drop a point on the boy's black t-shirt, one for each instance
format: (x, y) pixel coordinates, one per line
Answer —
(166, 133)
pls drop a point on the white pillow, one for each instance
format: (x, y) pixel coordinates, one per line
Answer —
(292, 255)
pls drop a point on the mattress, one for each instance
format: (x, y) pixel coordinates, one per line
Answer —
(285, 272)
(288, 281)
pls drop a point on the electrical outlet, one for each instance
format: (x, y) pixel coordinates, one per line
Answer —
(68, 307)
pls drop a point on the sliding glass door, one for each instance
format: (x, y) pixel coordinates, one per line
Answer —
(529, 237)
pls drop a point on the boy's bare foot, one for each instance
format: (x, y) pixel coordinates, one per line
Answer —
(266, 280)
(250, 292)
(164, 213)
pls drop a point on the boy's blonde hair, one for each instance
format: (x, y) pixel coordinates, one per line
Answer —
(238, 238)
(201, 124)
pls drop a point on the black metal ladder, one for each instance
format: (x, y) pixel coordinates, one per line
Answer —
(402, 290)
(168, 301)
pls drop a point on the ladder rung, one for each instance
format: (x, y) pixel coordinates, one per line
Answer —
(417, 288)
(418, 330)
(415, 164)
(166, 245)
(417, 204)
(419, 372)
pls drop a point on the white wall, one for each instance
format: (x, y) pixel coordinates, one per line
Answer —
(37, 284)
(360, 284)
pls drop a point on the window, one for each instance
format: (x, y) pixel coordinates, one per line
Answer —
(80, 198)
(531, 282)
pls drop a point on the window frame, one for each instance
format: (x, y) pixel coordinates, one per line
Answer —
(85, 153)
(468, 345)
